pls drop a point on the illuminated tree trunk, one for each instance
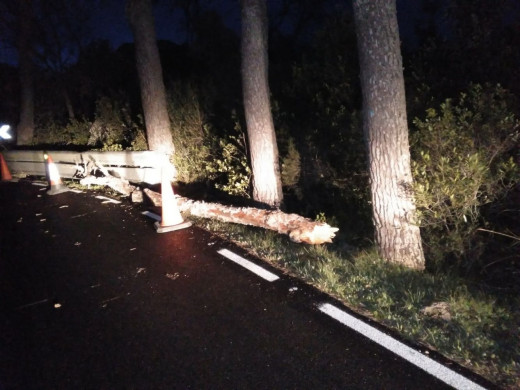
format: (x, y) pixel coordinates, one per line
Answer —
(386, 132)
(153, 95)
(267, 185)
(25, 128)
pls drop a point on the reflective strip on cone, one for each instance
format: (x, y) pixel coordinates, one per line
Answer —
(171, 216)
(56, 186)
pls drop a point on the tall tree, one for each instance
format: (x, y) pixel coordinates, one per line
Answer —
(153, 94)
(267, 185)
(62, 32)
(25, 128)
(386, 132)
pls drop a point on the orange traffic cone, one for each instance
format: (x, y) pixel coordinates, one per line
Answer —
(56, 186)
(171, 216)
(4, 170)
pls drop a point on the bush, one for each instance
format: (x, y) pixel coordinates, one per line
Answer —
(75, 132)
(291, 166)
(229, 166)
(114, 128)
(201, 155)
(462, 161)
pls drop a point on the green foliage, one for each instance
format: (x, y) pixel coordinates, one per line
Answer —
(462, 161)
(291, 166)
(75, 132)
(139, 142)
(230, 167)
(200, 155)
(319, 108)
(113, 128)
(191, 133)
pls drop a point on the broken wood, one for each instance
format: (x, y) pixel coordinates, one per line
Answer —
(120, 185)
(117, 184)
(298, 228)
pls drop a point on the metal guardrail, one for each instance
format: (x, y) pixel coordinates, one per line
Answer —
(137, 167)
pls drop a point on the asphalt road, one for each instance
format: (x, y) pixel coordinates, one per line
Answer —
(93, 298)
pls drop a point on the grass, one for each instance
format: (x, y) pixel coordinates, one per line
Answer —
(482, 334)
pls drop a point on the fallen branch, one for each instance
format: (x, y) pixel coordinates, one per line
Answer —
(298, 228)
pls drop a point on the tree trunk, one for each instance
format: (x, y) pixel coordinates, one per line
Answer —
(298, 228)
(386, 132)
(267, 185)
(153, 95)
(25, 128)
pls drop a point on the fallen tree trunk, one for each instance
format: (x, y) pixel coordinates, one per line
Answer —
(298, 228)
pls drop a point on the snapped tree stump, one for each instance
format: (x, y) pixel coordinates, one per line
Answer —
(298, 228)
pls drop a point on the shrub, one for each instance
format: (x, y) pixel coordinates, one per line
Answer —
(113, 128)
(201, 155)
(229, 166)
(75, 132)
(462, 161)
(291, 166)
(190, 132)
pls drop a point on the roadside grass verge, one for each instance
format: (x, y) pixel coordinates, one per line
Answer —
(482, 333)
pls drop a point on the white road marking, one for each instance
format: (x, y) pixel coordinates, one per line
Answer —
(38, 184)
(429, 365)
(263, 273)
(107, 200)
(76, 191)
(33, 304)
(149, 214)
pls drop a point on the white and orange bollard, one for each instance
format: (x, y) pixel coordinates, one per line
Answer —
(171, 218)
(56, 186)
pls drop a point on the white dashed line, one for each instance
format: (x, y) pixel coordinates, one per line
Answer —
(107, 200)
(263, 273)
(149, 214)
(429, 365)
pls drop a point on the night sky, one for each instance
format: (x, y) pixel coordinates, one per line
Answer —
(108, 22)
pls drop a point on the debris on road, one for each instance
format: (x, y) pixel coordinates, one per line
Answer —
(173, 276)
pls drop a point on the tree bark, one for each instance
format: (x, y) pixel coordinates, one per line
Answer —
(386, 131)
(153, 95)
(25, 128)
(267, 185)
